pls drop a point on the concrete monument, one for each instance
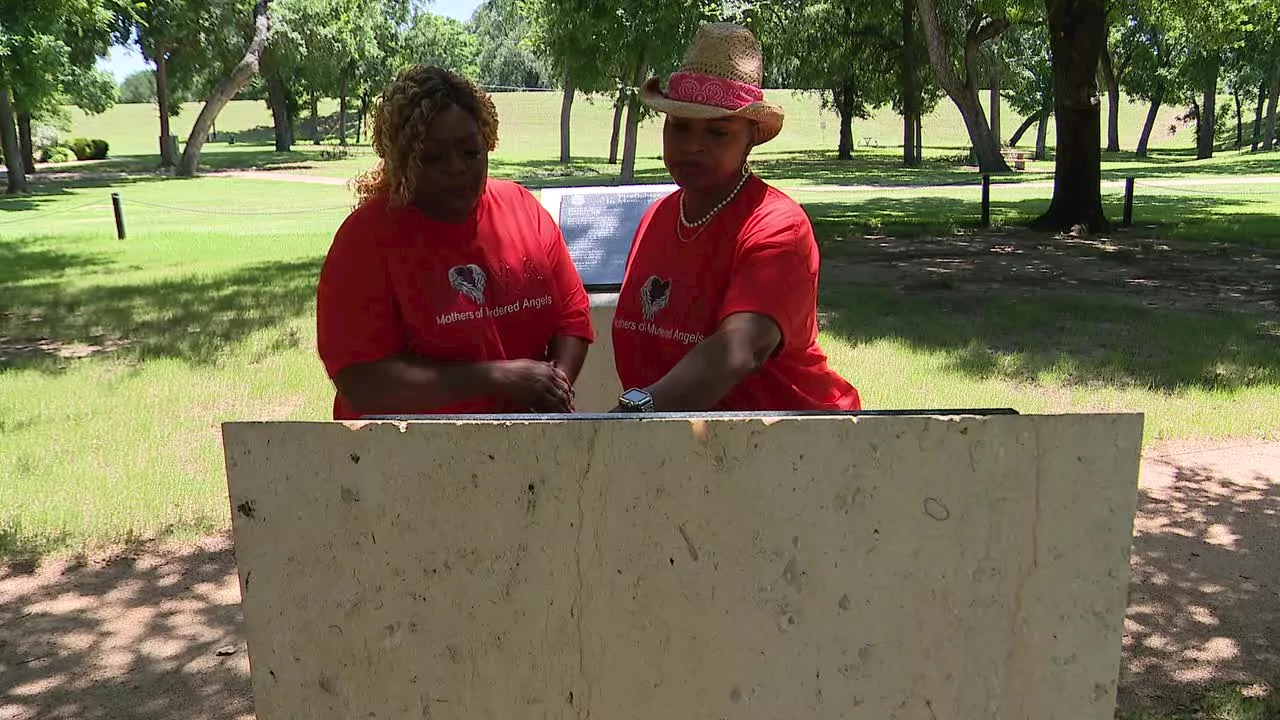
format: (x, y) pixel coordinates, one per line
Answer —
(816, 567)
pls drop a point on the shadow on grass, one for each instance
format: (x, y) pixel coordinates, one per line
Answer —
(867, 167)
(1204, 609)
(792, 168)
(1223, 219)
(46, 325)
(1129, 310)
(1074, 338)
(214, 158)
(135, 636)
(43, 190)
(1169, 164)
(33, 260)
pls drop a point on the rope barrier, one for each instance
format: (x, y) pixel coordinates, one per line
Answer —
(250, 213)
(1191, 190)
(1209, 189)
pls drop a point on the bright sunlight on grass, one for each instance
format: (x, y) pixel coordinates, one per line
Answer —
(119, 359)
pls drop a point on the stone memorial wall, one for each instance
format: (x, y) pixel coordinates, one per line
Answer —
(917, 568)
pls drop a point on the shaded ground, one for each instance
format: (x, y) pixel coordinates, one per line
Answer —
(145, 634)
(138, 635)
(135, 635)
(1204, 602)
(1116, 310)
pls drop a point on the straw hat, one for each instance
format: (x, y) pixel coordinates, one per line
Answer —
(721, 76)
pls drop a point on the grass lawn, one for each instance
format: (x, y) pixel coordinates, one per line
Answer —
(803, 154)
(118, 360)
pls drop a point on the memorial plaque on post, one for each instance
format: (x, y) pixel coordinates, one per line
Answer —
(599, 224)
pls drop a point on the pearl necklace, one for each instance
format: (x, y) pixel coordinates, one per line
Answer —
(702, 223)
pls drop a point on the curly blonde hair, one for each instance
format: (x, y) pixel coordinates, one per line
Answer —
(400, 121)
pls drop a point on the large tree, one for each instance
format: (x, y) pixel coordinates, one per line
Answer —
(505, 57)
(226, 89)
(564, 32)
(1215, 27)
(40, 46)
(1077, 31)
(917, 93)
(955, 31)
(1030, 86)
(840, 49)
(1117, 58)
(1157, 46)
(634, 38)
(168, 34)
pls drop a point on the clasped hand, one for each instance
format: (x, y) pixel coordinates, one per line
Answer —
(539, 385)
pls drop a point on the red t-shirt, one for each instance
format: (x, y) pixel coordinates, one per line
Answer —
(757, 255)
(498, 287)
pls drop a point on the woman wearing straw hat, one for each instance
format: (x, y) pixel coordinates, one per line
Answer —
(718, 309)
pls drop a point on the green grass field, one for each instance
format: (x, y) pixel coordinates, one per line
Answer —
(529, 143)
(118, 360)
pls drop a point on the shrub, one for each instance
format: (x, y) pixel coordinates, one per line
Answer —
(56, 154)
(87, 149)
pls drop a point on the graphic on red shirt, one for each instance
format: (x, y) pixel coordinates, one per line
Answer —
(468, 280)
(654, 294)
(498, 287)
(758, 255)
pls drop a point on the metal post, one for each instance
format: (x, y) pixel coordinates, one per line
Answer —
(115, 205)
(1128, 202)
(986, 201)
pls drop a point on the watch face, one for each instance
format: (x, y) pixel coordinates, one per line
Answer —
(635, 397)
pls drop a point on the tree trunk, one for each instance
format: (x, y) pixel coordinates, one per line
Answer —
(1042, 137)
(920, 137)
(964, 94)
(1112, 82)
(1195, 112)
(278, 98)
(162, 99)
(566, 111)
(26, 142)
(909, 158)
(845, 149)
(617, 126)
(362, 122)
(9, 143)
(845, 107)
(1269, 133)
(1208, 112)
(1032, 119)
(986, 151)
(1257, 115)
(343, 84)
(1150, 124)
(226, 89)
(997, 71)
(1235, 95)
(909, 85)
(315, 118)
(633, 121)
(1077, 33)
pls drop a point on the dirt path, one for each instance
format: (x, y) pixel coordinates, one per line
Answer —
(156, 634)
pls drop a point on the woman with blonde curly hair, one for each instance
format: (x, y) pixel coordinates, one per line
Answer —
(446, 291)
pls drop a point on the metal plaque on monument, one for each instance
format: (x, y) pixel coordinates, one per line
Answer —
(599, 224)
